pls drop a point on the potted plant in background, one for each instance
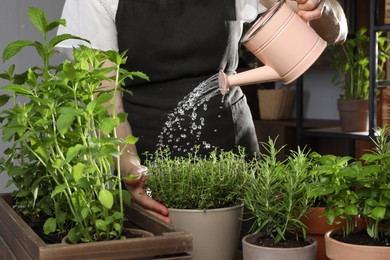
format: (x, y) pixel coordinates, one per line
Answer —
(360, 190)
(351, 62)
(277, 196)
(203, 196)
(63, 148)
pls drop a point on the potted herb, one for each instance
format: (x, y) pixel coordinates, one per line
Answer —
(203, 196)
(277, 195)
(63, 144)
(315, 220)
(351, 62)
(63, 130)
(360, 190)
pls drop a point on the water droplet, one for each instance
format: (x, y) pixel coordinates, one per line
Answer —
(197, 99)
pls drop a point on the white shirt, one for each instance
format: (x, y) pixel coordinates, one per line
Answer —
(95, 20)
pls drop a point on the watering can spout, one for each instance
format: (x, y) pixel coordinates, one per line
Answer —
(257, 75)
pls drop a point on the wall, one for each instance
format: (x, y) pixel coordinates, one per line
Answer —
(320, 95)
(15, 25)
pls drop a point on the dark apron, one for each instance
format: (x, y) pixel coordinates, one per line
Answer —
(179, 44)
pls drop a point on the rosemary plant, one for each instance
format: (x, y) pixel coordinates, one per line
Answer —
(277, 193)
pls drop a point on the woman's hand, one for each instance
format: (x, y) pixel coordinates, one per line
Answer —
(138, 194)
(327, 18)
(310, 9)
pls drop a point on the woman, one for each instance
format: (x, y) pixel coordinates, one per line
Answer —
(181, 45)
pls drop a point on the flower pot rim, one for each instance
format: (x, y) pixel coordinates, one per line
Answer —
(311, 240)
(347, 245)
(207, 210)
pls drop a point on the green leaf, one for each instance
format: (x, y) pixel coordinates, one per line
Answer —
(101, 225)
(91, 107)
(55, 24)
(104, 98)
(84, 213)
(108, 125)
(39, 149)
(31, 78)
(78, 171)
(131, 139)
(351, 210)
(38, 18)
(72, 153)
(378, 213)
(126, 197)
(58, 189)
(106, 198)
(66, 119)
(118, 227)
(63, 37)
(50, 226)
(73, 235)
(18, 89)
(14, 48)
(122, 116)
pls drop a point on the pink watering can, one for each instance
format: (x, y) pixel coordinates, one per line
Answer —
(283, 42)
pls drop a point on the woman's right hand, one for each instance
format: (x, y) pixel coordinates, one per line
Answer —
(136, 189)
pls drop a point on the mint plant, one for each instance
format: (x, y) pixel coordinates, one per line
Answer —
(359, 188)
(63, 137)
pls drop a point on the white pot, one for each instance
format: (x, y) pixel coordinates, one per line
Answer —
(216, 232)
(254, 252)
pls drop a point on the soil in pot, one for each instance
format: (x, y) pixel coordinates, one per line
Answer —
(290, 242)
(37, 226)
(361, 238)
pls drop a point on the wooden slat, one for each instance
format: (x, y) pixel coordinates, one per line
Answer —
(16, 233)
(5, 251)
(120, 249)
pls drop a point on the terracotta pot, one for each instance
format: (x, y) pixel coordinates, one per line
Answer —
(254, 252)
(317, 227)
(353, 115)
(215, 232)
(337, 250)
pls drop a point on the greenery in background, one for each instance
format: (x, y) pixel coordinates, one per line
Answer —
(63, 140)
(198, 182)
(277, 193)
(360, 188)
(351, 60)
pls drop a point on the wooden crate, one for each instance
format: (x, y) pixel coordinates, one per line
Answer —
(19, 241)
(387, 12)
